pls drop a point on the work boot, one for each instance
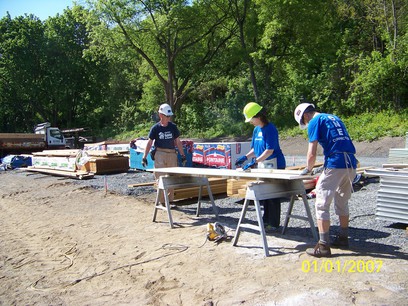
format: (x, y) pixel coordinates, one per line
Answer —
(271, 229)
(340, 242)
(320, 250)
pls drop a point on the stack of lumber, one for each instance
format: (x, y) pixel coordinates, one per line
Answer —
(59, 163)
(77, 163)
(217, 185)
(103, 162)
(237, 187)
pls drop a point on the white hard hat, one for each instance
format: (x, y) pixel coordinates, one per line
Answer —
(165, 109)
(298, 113)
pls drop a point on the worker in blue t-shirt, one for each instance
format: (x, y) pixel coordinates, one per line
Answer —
(166, 137)
(335, 182)
(265, 153)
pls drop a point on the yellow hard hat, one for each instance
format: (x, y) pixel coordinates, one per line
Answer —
(250, 110)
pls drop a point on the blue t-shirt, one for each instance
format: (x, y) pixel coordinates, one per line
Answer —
(332, 135)
(267, 138)
(164, 136)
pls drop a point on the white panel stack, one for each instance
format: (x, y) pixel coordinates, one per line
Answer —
(398, 156)
(392, 197)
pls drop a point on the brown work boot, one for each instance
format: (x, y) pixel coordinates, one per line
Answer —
(320, 250)
(340, 242)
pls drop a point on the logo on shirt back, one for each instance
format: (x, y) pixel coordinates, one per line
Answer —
(165, 135)
(336, 130)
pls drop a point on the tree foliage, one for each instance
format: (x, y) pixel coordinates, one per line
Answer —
(110, 64)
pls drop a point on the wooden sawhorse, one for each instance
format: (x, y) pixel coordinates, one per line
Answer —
(263, 190)
(173, 182)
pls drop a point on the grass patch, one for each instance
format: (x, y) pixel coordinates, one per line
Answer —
(364, 127)
(367, 126)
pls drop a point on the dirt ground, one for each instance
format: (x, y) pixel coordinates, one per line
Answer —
(63, 244)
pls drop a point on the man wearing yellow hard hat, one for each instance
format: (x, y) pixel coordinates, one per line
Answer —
(265, 153)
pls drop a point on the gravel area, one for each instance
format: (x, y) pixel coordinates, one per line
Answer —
(368, 234)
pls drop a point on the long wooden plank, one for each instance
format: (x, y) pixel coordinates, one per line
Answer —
(59, 153)
(287, 175)
(399, 166)
(103, 153)
(301, 167)
(78, 174)
(141, 184)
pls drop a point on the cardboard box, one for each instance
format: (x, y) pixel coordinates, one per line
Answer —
(102, 165)
(54, 162)
(219, 155)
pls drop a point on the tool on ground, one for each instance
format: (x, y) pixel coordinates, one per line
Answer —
(216, 232)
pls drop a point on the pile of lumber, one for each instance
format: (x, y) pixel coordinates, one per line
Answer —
(103, 162)
(58, 163)
(76, 163)
(237, 187)
(217, 185)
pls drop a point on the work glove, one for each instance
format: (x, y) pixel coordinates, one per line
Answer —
(249, 165)
(152, 153)
(144, 162)
(317, 170)
(183, 160)
(305, 172)
(241, 160)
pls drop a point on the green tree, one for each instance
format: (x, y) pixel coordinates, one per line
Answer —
(176, 39)
(22, 46)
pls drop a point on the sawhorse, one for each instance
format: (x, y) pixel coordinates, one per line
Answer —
(257, 191)
(173, 182)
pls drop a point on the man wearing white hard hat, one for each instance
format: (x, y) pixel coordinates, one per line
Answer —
(335, 182)
(166, 137)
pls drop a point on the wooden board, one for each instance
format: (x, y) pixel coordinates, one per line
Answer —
(142, 184)
(301, 167)
(190, 171)
(59, 153)
(396, 166)
(77, 174)
(102, 153)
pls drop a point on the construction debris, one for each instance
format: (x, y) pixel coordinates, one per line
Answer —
(78, 163)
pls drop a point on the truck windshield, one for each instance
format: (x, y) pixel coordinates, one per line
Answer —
(56, 133)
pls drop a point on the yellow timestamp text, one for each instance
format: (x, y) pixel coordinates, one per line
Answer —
(337, 266)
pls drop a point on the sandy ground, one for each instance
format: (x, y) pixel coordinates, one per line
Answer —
(63, 244)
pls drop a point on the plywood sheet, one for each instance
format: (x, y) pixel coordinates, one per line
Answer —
(277, 174)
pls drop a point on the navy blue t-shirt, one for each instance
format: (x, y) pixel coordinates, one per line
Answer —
(332, 135)
(164, 136)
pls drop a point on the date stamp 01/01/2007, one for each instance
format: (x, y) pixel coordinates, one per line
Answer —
(338, 266)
